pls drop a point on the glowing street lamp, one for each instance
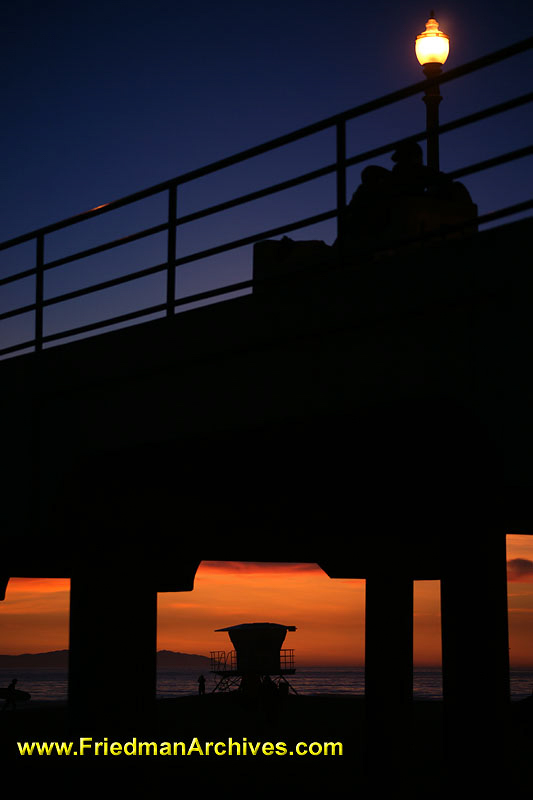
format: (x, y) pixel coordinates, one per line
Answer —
(432, 48)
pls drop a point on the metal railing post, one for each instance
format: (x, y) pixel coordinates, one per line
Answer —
(171, 249)
(341, 177)
(39, 291)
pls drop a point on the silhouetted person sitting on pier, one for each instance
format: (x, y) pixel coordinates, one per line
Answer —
(11, 696)
(201, 685)
(410, 176)
(387, 208)
(365, 214)
(410, 199)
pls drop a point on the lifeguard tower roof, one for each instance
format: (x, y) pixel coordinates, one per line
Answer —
(257, 626)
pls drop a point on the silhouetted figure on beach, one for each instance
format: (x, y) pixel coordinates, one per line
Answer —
(11, 695)
(201, 685)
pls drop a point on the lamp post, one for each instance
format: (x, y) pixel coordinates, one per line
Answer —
(432, 48)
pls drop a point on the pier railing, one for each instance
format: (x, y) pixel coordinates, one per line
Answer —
(42, 266)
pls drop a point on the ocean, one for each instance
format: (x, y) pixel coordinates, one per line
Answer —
(51, 684)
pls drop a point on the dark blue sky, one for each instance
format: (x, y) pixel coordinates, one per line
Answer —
(101, 99)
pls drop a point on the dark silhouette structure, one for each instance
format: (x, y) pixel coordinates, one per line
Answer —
(257, 656)
(374, 412)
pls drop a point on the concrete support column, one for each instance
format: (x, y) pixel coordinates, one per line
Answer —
(112, 663)
(388, 672)
(475, 655)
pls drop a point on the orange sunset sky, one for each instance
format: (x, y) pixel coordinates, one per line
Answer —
(329, 614)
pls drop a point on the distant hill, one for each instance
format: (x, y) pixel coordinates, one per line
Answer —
(59, 660)
(167, 658)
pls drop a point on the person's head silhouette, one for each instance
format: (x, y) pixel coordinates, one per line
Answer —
(408, 152)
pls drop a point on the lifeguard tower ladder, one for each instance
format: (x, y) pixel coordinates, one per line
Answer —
(257, 662)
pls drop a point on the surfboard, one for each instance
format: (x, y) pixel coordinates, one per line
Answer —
(20, 697)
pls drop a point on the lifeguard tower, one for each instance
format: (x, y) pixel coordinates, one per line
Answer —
(257, 660)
